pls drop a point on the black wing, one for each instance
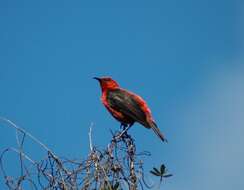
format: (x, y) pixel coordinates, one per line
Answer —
(124, 102)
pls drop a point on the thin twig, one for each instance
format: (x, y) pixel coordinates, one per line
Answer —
(118, 164)
(90, 137)
(25, 132)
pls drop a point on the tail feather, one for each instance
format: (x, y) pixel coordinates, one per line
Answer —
(157, 131)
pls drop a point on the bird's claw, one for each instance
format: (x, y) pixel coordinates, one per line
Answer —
(124, 132)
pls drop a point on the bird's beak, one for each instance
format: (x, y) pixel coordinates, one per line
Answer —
(97, 78)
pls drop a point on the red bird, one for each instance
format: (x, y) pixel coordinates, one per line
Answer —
(126, 106)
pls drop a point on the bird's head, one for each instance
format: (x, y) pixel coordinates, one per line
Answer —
(107, 83)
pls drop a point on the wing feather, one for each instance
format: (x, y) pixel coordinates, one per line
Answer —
(124, 102)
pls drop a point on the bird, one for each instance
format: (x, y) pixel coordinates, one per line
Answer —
(126, 107)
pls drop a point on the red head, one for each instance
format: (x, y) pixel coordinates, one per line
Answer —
(107, 83)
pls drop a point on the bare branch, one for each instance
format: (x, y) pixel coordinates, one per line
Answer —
(118, 166)
(90, 137)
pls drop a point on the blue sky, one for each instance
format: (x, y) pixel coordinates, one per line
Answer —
(185, 58)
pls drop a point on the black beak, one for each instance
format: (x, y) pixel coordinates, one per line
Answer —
(97, 78)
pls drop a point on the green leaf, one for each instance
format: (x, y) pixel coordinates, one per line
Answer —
(162, 169)
(155, 173)
(168, 175)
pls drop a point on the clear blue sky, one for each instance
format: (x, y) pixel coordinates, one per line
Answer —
(185, 58)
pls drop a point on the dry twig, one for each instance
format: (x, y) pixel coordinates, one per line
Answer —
(117, 167)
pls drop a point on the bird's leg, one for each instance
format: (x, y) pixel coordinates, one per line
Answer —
(125, 129)
(122, 126)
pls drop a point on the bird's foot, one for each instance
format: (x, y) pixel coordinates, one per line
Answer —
(121, 134)
(123, 126)
(124, 132)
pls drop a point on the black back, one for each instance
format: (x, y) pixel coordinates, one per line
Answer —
(124, 102)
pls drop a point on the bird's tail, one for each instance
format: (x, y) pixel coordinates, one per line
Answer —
(157, 131)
